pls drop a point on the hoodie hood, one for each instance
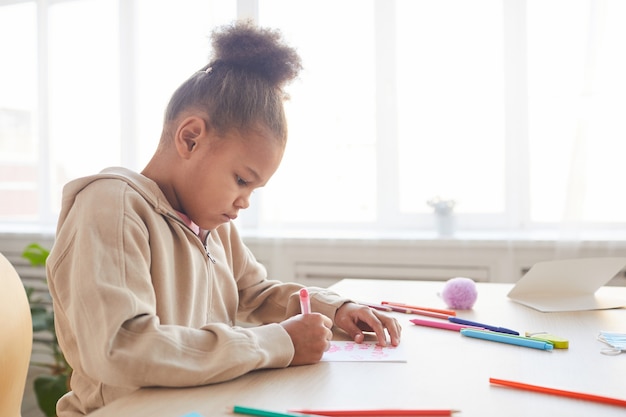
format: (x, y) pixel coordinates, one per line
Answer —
(147, 188)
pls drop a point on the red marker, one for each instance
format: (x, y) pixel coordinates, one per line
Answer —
(378, 413)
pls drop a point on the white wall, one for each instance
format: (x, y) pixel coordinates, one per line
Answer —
(323, 262)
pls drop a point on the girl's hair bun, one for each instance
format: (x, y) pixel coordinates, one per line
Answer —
(245, 46)
(243, 85)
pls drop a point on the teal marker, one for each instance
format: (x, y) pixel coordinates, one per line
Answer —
(262, 413)
(507, 338)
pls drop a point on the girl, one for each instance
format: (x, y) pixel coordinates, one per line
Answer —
(148, 274)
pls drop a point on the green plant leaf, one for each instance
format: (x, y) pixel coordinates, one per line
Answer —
(36, 254)
(40, 317)
(48, 390)
(29, 292)
(50, 387)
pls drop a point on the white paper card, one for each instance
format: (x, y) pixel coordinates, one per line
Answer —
(348, 351)
(568, 285)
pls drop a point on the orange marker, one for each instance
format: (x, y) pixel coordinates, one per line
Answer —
(559, 392)
(434, 310)
(409, 310)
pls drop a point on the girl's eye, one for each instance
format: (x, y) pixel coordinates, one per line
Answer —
(241, 181)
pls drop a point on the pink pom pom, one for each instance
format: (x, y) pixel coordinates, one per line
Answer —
(460, 293)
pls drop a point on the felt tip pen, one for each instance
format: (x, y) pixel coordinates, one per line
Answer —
(507, 338)
(558, 342)
(434, 310)
(560, 392)
(262, 413)
(484, 326)
(408, 310)
(443, 325)
(305, 301)
(378, 413)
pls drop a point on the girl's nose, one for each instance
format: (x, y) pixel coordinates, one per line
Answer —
(243, 202)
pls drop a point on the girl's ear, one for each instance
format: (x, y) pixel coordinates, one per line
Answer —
(189, 131)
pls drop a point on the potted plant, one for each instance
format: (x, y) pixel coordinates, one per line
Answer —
(53, 385)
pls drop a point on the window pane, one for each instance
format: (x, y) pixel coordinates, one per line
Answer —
(450, 79)
(84, 90)
(329, 169)
(577, 107)
(18, 113)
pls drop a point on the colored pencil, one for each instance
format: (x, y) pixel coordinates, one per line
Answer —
(434, 310)
(377, 413)
(559, 392)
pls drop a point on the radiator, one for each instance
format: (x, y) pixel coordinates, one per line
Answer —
(324, 274)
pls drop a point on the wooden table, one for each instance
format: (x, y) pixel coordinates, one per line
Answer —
(444, 369)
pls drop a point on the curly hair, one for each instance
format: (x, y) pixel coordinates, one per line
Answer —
(242, 86)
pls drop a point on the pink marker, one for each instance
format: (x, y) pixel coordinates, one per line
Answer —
(305, 301)
(443, 325)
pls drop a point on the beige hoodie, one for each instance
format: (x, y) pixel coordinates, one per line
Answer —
(139, 303)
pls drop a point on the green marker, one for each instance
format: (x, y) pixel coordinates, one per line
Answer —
(262, 413)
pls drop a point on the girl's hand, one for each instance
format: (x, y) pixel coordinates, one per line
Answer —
(354, 319)
(310, 335)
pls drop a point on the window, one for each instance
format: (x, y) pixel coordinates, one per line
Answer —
(19, 149)
(483, 102)
(87, 85)
(576, 101)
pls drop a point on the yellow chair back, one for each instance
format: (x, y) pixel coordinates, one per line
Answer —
(16, 339)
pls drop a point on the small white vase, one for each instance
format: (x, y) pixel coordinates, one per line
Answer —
(445, 224)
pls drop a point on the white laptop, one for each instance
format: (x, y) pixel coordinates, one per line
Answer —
(569, 285)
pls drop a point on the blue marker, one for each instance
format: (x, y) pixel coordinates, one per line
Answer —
(506, 338)
(457, 320)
